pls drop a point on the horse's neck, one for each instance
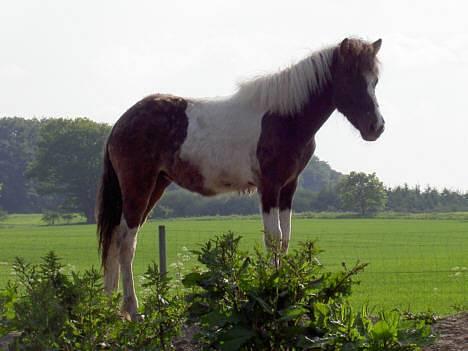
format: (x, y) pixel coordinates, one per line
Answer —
(316, 112)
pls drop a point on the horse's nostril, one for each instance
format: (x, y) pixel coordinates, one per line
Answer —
(376, 127)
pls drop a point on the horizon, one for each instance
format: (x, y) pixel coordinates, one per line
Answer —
(97, 59)
(422, 187)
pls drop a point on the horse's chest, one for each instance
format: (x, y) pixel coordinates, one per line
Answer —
(223, 149)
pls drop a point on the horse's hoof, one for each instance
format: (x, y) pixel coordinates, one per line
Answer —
(138, 317)
(133, 317)
(275, 262)
(103, 346)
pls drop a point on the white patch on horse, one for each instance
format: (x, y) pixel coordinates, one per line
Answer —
(287, 91)
(371, 78)
(112, 265)
(285, 223)
(271, 223)
(222, 137)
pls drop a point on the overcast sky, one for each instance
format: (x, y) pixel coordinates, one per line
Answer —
(97, 58)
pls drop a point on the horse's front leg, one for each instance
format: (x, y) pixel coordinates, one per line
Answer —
(285, 205)
(270, 211)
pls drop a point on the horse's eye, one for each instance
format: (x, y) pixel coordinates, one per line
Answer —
(376, 81)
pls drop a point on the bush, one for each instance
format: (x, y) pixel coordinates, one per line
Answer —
(68, 217)
(3, 214)
(54, 310)
(50, 217)
(244, 302)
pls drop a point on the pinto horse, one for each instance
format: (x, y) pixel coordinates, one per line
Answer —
(261, 137)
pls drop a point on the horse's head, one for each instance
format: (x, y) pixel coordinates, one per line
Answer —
(355, 75)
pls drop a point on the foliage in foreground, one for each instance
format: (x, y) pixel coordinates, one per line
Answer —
(239, 301)
(54, 310)
(244, 302)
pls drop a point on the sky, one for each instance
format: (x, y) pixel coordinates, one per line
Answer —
(97, 58)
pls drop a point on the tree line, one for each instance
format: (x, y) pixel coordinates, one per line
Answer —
(50, 164)
(54, 165)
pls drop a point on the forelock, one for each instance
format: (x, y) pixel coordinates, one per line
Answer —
(359, 55)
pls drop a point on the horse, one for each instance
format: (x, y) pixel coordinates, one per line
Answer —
(261, 137)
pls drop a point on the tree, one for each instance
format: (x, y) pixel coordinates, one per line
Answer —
(50, 217)
(18, 138)
(68, 162)
(363, 193)
(318, 175)
(2, 213)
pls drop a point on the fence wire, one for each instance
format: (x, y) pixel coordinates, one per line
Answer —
(424, 265)
(417, 273)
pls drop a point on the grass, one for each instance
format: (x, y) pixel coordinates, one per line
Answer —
(35, 219)
(419, 263)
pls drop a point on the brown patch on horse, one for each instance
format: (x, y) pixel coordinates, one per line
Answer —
(141, 154)
(145, 142)
(189, 177)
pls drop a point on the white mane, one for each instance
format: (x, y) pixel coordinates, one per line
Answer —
(288, 90)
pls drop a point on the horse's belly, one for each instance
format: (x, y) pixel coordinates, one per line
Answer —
(210, 179)
(238, 177)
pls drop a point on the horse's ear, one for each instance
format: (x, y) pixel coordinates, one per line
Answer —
(376, 45)
(343, 48)
(343, 44)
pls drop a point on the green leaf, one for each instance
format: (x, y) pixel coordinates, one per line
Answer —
(274, 279)
(192, 279)
(244, 266)
(214, 318)
(234, 338)
(304, 342)
(292, 312)
(322, 308)
(349, 346)
(381, 330)
(266, 307)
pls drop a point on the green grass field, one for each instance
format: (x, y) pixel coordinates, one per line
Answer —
(418, 264)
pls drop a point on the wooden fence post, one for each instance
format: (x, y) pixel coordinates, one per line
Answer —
(162, 250)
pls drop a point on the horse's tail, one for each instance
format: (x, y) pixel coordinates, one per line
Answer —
(108, 207)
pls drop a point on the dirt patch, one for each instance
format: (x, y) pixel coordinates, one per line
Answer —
(452, 334)
(186, 341)
(7, 340)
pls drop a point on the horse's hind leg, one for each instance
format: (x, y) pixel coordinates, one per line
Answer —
(161, 184)
(112, 265)
(126, 255)
(136, 187)
(136, 206)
